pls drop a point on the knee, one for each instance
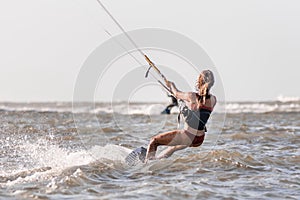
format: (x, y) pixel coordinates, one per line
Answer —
(154, 141)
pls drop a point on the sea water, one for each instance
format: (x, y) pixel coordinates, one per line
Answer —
(67, 151)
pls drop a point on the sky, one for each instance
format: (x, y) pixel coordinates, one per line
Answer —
(254, 44)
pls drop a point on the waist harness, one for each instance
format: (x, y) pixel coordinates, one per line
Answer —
(196, 119)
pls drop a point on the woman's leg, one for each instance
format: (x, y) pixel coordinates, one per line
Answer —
(172, 138)
(170, 150)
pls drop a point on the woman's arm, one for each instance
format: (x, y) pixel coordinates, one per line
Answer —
(186, 96)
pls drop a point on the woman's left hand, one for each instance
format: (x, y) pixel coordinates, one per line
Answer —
(168, 84)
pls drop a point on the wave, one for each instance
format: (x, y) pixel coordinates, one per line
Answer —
(285, 99)
(266, 107)
(132, 109)
(282, 104)
(44, 160)
(91, 108)
(38, 107)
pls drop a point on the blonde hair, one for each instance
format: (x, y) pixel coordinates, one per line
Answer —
(204, 83)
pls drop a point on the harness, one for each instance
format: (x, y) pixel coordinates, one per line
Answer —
(195, 119)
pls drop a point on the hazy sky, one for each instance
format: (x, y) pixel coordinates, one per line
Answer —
(254, 44)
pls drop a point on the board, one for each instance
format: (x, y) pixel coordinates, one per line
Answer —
(136, 156)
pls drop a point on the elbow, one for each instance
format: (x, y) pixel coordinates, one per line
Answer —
(175, 93)
(174, 89)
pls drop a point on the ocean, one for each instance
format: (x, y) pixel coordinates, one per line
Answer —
(58, 150)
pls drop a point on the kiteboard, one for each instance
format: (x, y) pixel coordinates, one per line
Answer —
(136, 156)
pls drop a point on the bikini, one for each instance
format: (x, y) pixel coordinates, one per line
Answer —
(195, 121)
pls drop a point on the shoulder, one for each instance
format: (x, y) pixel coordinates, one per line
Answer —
(192, 95)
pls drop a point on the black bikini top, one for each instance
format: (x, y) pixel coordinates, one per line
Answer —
(197, 119)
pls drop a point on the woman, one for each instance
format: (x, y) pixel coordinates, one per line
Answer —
(196, 113)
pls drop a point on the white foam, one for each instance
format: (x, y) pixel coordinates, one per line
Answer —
(58, 158)
(55, 159)
(37, 108)
(285, 99)
(261, 107)
(250, 108)
(283, 104)
(134, 109)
